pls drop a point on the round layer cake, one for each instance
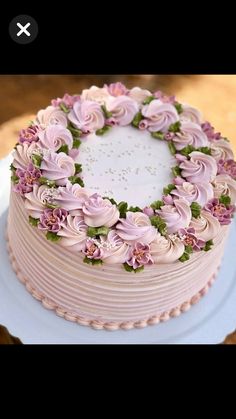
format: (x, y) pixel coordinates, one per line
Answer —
(120, 206)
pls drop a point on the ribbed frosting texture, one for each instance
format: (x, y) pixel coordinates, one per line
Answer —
(104, 293)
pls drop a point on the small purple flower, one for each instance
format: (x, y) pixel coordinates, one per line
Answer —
(51, 219)
(187, 235)
(164, 98)
(67, 100)
(223, 213)
(140, 256)
(209, 131)
(169, 136)
(116, 89)
(27, 178)
(111, 122)
(143, 124)
(148, 211)
(167, 199)
(179, 157)
(178, 180)
(92, 250)
(227, 167)
(29, 134)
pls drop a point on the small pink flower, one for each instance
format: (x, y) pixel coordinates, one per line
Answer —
(189, 239)
(67, 100)
(169, 136)
(164, 98)
(222, 212)
(143, 124)
(29, 134)
(227, 167)
(140, 255)
(148, 211)
(167, 199)
(178, 180)
(209, 131)
(179, 157)
(116, 89)
(27, 178)
(111, 122)
(92, 250)
(51, 219)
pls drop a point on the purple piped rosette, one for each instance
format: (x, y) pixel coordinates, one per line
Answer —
(46, 175)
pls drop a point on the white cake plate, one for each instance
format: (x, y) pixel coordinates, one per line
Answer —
(209, 321)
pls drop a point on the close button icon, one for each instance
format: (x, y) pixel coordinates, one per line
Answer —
(23, 29)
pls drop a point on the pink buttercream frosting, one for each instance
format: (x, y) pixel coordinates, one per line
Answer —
(159, 115)
(57, 167)
(22, 155)
(200, 168)
(198, 192)
(51, 115)
(97, 94)
(114, 248)
(87, 116)
(71, 197)
(206, 226)
(190, 114)
(136, 227)
(166, 249)
(138, 94)
(225, 185)
(176, 216)
(100, 212)
(190, 134)
(35, 201)
(73, 232)
(123, 109)
(221, 149)
(55, 136)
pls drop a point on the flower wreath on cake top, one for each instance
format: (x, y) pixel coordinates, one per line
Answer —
(184, 220)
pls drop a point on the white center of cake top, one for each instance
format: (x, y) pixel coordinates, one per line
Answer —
(126, 164)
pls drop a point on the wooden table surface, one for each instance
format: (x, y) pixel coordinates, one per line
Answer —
(214, 95)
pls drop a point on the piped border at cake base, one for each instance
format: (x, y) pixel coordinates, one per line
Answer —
(99, 324)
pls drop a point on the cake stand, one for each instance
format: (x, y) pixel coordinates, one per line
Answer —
(209, 321)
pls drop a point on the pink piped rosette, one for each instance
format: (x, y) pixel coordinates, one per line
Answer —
(184, 220)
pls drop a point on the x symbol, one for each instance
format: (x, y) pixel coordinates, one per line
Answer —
(23, 29)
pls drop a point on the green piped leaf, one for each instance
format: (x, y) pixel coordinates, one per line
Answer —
(167, 190)
(14, 179)
(78, 168)
(76, 143)
(178, 107)
(185, 256)
(160, 224)
(36, 160)
(53, 237)
(208, 245)
(187, 150)
(51, 206)
(97, 231)
(138, 117)
(44, 181)
(225, 199)
(129, 268)
(176, 171)
(158, 135)
(92, 261)
(106, 112)
(103, 130)
(195, 209)
(156, 205)
(33, 221)
(172, 147)
(110, 199)
(205, 150)
(148, 100)
(123, 208)
(135, 209)
(64, 108)
(63, 149)
(188, 249)
(175, 127)
(74, 131)
(76, 179)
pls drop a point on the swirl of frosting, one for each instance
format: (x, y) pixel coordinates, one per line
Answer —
(200, 168)
(73, 232)
(55, 136)
(199, 192)
(51, 115)
(36, 200)
(190, 134)
(123, 109)
(225, 185)
(176, 216)
(221, 149)
(100, 212)
(58, 167)
(139, 95)
(206, 226)
(115, 250)
(190, 114)
(22, 155)
(159, 115)
(96, 94)
(87, 116)
(166, 249)
(71, 197)
(136, 227)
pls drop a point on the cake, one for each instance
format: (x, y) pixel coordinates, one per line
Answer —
(121, 202)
